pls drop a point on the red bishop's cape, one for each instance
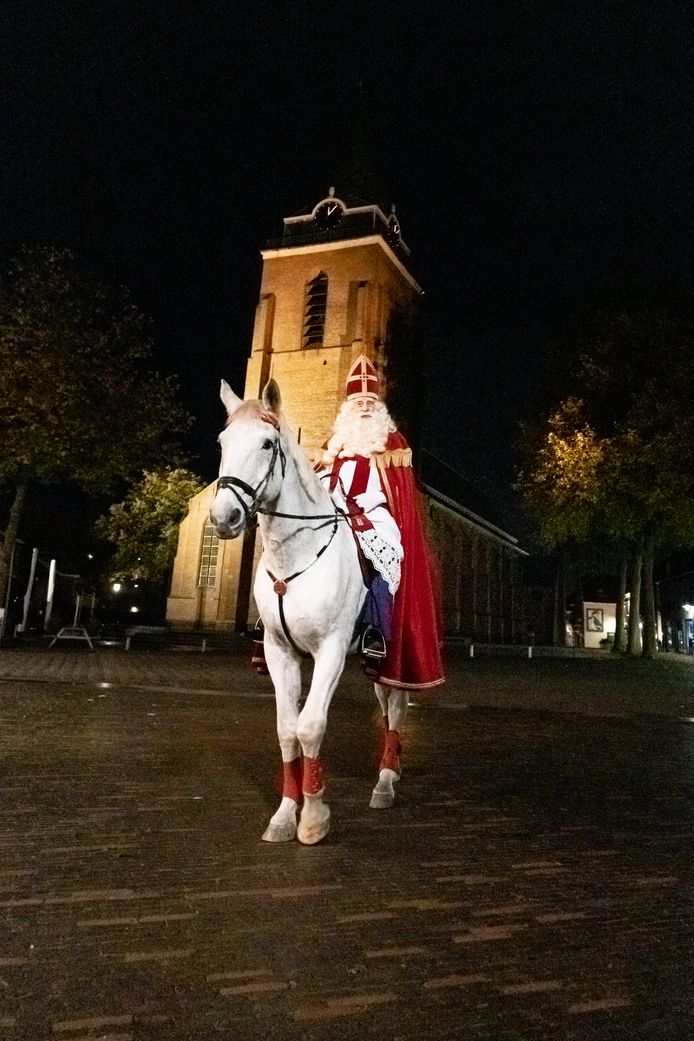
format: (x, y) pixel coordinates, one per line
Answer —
(413, 661)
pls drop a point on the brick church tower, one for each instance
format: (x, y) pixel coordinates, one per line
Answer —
(332, 288)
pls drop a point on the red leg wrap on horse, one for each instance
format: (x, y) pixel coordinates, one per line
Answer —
(382, 738)
(291, 780)
(313, 776)
(258, 658)
(391, 755)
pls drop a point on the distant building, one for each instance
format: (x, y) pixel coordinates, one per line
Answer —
(599, 622)
(336, 285)
(675, 601)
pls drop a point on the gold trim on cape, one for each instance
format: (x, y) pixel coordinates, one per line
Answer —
(394, 457)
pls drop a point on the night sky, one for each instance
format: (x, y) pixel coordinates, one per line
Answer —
(532, 149)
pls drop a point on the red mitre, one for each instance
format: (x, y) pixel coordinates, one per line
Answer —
(362, 380)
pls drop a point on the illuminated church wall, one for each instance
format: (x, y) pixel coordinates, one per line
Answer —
(364, 284)
(482, 596)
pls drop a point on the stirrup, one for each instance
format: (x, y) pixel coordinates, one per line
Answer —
(257, 635)
(372, 643)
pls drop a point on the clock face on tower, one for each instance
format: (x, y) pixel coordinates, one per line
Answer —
(328, 214)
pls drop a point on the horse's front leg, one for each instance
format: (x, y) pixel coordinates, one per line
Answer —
(393, 704)
(285, 672)
(314, 822)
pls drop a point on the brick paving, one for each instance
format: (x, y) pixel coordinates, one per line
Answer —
(533, 881)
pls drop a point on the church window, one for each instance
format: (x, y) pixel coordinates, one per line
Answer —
(314, 315)
(207, 575)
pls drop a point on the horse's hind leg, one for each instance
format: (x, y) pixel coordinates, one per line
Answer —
(285, 671)
(393, 704)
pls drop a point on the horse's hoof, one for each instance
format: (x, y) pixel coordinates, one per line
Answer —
(383, 796)
(313, 833)
(280, 832)
(381, 800)
(313, 826)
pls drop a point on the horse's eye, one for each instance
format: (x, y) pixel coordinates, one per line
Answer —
(268, 443)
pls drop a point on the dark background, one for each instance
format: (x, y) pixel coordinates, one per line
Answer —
(533, 150)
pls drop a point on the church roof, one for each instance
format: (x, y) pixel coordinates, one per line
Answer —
(462, 496)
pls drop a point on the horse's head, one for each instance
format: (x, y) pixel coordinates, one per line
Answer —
(253, 461)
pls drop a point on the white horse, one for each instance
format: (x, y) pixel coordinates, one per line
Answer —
(309, 591)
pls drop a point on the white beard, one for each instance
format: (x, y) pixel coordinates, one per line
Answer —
(355, 435)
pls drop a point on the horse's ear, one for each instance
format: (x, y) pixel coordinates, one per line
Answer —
(230, 400)
(272, 399)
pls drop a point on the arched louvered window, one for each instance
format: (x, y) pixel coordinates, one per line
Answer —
(207, 576)
(314, 314)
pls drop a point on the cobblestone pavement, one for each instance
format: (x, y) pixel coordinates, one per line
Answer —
(532, 883)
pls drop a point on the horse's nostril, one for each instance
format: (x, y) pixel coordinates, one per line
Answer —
(226, 525)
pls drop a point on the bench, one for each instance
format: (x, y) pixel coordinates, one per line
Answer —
(159, 636)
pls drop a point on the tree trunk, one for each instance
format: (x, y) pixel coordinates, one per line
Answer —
(634, 640)
(620, 643)
(560, 638)
(10, 537)
(649, 635)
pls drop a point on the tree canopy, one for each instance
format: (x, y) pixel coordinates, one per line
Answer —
(560, 479)
(79, 398)
(609, 463)
(144, 526)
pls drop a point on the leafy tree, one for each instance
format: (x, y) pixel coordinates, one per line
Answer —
(561, 479)
(144, 526)
(620, 469)
(78, 399)
(561, 482)
(639, 378)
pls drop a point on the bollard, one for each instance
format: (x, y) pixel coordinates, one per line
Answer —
(530, 651)
(472, 650)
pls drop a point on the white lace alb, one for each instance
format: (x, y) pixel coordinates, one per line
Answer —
(383, 555)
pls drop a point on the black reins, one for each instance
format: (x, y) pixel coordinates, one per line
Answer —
(252, 509)
(280, 585)
(232, 483)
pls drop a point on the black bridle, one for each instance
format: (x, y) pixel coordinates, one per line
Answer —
(252, 509)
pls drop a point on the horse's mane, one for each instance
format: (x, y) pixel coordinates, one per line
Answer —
(292, 449)
(308, 479)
